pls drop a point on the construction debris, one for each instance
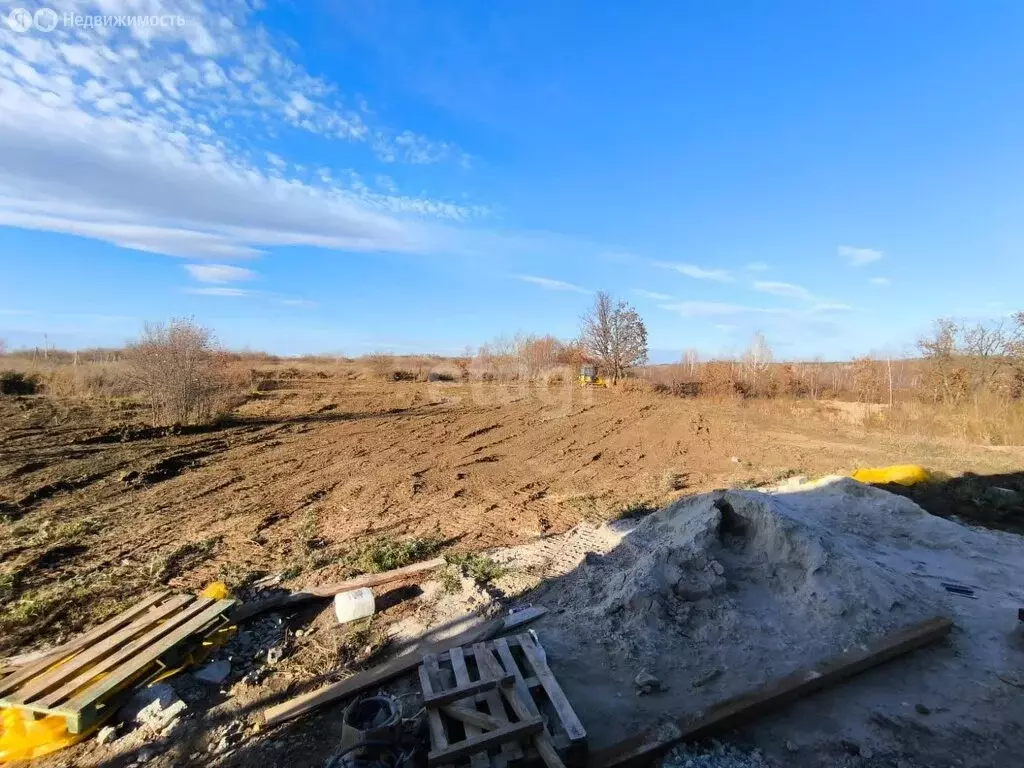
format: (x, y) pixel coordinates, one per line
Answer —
(396, 667)
(155, 707)
(214, 673)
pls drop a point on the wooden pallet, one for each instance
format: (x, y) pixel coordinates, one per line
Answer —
(83, 677)
(497, 705)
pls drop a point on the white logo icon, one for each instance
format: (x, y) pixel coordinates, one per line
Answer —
(46, 19)
(20, 20)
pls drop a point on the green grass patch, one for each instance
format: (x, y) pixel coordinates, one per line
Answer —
(386, 553)
(482, 569)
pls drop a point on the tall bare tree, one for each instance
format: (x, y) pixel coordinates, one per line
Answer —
(757, 359)
(614, 334)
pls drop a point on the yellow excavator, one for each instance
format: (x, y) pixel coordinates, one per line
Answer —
(590, 378)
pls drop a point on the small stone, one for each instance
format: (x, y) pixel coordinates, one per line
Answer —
(717, 567)
(866, 753)
(298, 633)
(851, 747)
(106, 734)
(734, 459)
(922, 709)
(702, 680)
(275, 654)
(215, 673)
(144, 756)
(791, 746)
(156, 707)
(646, 683)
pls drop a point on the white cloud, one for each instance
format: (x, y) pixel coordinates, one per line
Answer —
(136, 137)
(883, 282)
(652, 295)
(232, 292)
(551, 285)
(819, 308)
(757, 266)
(788, 290)
(698, 273)
(858, 257)
(219, 273)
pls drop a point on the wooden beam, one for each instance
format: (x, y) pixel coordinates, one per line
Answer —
(571, 723)
(280, 602)
(38, 661)
(739, 710)
(429, 682)
(489, 666)
(521, 730)
(458, 659)
(437, 698)
(395, 668)
(471, 717)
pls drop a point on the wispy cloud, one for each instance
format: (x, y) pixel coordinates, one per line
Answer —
(725, 309)
(552, 285)
(219, 273)
(299, 303)
(757, 266)
(652, 295)
(788, 290)
(233, 292)
(698, 273)
(858, 257)
(883, 282)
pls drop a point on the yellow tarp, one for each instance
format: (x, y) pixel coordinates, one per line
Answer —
(901, 474)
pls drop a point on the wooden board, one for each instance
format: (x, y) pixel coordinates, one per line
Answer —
(488, 666)
(81, 680)
(41, 662)
(402, 665)
(483, 741)
(573, 727)
(430, 681)
(731, 713)
(458, 659)
(280, 602)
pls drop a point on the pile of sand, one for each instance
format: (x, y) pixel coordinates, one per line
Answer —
(744, 581)
(716, 594)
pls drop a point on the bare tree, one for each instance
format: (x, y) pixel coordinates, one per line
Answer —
(179, 368)
(757, 359)
(691, 359)
(615, 335)
(3, 346)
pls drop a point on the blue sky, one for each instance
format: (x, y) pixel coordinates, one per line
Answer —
(422, 176)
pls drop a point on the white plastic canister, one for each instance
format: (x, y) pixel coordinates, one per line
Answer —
(357, 604)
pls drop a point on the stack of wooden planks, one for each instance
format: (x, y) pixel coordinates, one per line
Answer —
(80, 680)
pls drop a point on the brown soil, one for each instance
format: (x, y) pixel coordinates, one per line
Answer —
(97, 508)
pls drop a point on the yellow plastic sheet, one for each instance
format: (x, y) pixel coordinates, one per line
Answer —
(21, 739)
(901, 474)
